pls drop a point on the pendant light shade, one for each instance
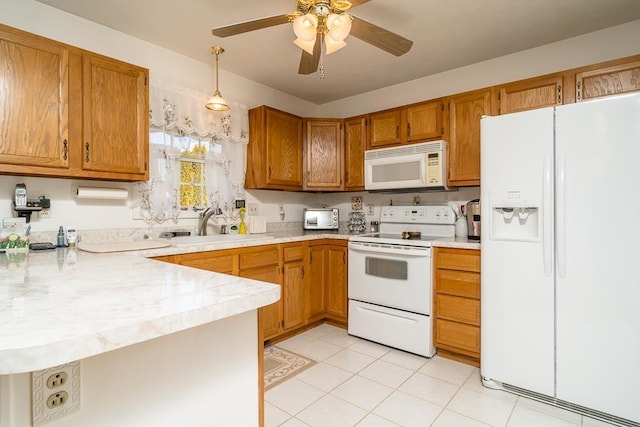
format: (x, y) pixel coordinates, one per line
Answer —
(217, 102)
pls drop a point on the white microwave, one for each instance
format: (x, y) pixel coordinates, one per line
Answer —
(419, 166)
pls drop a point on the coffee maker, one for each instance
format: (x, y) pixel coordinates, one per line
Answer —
(473, 219)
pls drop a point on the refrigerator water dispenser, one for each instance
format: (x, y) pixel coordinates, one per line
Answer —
(515, 216)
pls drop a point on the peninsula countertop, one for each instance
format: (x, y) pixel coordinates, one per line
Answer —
(65, 305)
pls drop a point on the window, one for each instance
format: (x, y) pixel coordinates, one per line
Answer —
(181, 162)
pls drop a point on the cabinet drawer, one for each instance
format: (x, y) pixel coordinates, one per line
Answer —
(292, 253)
(460, 283)
(267, 256)
(458, 335)
(219, 264)
(458, 259)
(463, 310)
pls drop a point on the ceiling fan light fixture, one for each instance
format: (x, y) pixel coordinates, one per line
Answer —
(331, 45)
(339, 26)
(305, 45)
(306, 27)
(217, 102)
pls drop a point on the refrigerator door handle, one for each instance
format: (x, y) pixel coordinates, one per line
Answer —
(547, 221)
(561, 218)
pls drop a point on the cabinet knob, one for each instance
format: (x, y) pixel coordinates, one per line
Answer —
(65, 149)
(86, 152)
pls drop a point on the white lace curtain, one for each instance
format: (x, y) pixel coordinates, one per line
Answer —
(181, 112)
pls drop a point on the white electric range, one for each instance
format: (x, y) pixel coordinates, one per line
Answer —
(390, 283)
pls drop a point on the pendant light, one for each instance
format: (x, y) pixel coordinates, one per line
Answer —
(217, 102)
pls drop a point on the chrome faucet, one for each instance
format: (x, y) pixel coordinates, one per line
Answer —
(204, 218)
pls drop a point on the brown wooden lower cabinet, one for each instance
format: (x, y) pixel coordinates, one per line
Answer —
(456, 325)
(312, 278)
(328, 287)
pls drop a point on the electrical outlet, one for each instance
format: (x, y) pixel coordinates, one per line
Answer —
(45, 213)
(253, 209)
(57, 380)
(57, 400)
(55, 392)
(370, 210)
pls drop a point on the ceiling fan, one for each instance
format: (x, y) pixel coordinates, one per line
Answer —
(318, 22)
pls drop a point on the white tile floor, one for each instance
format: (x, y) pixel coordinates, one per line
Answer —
(359, 383)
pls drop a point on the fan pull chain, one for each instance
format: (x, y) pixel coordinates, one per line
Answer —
(321, 58)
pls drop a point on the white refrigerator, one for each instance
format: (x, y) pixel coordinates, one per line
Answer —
(560, 299)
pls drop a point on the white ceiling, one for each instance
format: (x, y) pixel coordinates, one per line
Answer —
(446, 33)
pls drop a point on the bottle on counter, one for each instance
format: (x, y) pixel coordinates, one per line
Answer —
(60, 239)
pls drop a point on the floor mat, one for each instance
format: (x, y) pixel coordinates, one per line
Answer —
(280, 364)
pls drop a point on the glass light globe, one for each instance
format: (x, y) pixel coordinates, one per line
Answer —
(339, 26)
(306, 27)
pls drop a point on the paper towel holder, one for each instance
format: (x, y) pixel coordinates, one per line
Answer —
(100, 193)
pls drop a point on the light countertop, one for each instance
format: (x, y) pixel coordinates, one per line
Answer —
(456, 242)
(64, 305)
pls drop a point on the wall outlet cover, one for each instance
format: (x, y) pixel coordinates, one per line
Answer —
(252, 208)
(370, 210)
(55, 392)
(44, 213)
(356, 203)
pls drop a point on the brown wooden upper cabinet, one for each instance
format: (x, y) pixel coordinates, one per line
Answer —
(355, 142)
(274, 154)
(545, 91)
(35, 74)
(115, 116)
(465, 111)
(611, 78)
(54, 103)
(408, 124)
(324, 154)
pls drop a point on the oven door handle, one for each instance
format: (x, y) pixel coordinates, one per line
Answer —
(391, 250)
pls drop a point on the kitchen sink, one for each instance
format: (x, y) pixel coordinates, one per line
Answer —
(215, 238)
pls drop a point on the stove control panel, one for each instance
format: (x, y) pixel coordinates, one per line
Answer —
(432, 214)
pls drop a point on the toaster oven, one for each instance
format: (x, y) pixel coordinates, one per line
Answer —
(320, 219)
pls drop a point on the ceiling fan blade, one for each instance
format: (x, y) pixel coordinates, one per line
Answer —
(379, 37)
(309, 63)
(244, 27)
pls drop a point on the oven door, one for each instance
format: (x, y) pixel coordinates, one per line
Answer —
(395, 276)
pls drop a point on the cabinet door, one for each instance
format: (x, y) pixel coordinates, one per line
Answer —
(529, 94)
(270, 315)
(34, 101)
(317, 278)
(385, 128)
(424, 121)
(324, 155)
(293, 294)
(597, 81)
(283, 150)
(465, 112)
(355, 141)
(337, 282)
(115, 117)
